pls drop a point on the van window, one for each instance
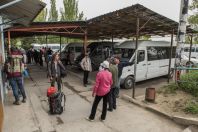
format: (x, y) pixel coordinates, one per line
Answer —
(152, 53)
(97, 51)
(78, 49)
(197, 49)
(127, 53)
(160, 53)
(141, 55)
(187, 49)
(70, 49)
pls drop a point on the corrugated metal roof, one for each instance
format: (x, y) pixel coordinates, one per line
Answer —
(119, 24)
(22, 12)
(122, 23)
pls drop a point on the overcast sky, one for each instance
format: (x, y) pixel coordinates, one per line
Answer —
(93, 8)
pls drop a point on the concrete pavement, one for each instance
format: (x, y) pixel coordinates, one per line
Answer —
(126, 118)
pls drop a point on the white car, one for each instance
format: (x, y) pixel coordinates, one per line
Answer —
(185, 60)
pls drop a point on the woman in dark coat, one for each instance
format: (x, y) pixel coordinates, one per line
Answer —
(55, 68)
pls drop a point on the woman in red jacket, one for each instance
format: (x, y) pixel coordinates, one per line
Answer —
(101, 90)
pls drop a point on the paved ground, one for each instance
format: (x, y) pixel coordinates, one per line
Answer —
(33, 116)
(140, 86)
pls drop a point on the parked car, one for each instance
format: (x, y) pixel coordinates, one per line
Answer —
(194, 50)
(185, 61)
(152, 60)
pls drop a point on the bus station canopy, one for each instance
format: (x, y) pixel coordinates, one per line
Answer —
(118, 24)
(21, 11)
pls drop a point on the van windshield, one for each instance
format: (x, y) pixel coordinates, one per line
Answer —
(124, 53)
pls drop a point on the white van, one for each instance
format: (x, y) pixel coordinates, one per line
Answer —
(153, 60)
(75, 47)
(194, 50)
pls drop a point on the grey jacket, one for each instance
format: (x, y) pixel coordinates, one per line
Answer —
(52, 71)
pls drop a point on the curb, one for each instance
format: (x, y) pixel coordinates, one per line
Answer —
(177, 119)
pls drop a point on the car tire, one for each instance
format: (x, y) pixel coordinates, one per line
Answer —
(128, 82)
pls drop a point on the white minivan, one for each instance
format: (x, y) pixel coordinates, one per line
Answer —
(194, 50)
(152, 60)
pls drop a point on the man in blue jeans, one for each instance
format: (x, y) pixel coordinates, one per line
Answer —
(13, 68)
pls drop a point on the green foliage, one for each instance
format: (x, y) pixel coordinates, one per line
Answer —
(189, 83)
(192, 107)
(170, 88)
(42, 17)
(53, 13)
(70, 11)
(193, 19)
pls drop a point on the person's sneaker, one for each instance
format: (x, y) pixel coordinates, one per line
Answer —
(91, 120)
(24, 101)
(16, 103)
(111, 110)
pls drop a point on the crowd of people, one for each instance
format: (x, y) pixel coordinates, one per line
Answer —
(107, 79)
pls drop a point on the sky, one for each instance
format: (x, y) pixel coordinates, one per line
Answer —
(93, 8)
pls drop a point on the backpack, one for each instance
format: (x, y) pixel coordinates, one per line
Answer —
(15, 65)
(56, 104)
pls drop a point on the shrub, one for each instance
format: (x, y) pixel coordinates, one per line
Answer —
(192, 107)
(170, 88)
(189, 83)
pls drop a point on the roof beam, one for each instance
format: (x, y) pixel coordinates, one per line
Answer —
(10, 4)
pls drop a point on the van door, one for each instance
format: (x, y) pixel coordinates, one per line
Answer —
(141, 65)
(152, 63)
(97, 57)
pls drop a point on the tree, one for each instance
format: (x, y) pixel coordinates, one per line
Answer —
(42, 17)
(193, 19)
(70, 11)
(53, 13)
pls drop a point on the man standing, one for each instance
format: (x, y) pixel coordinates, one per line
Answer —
(13, 69)
(86, 66)
(112, 95)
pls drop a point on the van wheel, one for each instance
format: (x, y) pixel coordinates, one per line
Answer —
(128, 82)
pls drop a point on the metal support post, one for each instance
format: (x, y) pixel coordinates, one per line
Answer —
(191, 42)
(85, 42)
(136, 47)
(170, 56)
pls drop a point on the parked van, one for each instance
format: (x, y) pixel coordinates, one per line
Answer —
(54, 47)
(98, 52)
(75, 49)
(194, 50)
(152, 60)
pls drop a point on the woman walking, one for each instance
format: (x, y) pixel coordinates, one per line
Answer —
(55, 68)
(101, 90)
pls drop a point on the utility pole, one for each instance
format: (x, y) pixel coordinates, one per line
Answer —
(182, 27)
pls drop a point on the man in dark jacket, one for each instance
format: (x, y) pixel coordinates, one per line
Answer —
(112, 98)
(120, 65)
